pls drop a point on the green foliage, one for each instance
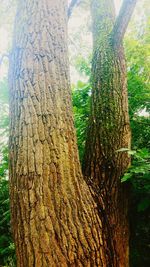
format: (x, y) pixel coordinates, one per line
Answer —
(137, 47)
(83, 66)
(4, 91)
(139, 178)
(7, 250)
(80, 98)
(4, 119)
(4, 162)
(140, 132)
(140, 168)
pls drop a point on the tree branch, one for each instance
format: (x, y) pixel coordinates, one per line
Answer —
(122, 21)
(71, 7)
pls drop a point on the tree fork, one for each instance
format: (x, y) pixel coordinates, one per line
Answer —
(109, 129)
(122, 21)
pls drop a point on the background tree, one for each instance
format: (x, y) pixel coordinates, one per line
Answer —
(106, 158)
(137, 51)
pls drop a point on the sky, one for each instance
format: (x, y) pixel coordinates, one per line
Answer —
(6, 29)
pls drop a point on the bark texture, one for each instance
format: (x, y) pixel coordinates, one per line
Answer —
(108, 132)
(54, 217)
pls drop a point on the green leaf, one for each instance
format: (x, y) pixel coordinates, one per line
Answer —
(144, 204)
(126, 177)
(131, 152)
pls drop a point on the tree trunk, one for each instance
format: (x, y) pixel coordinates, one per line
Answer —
(108, 132)
(55, 220)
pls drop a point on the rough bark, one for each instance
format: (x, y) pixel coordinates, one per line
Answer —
(54, 218)
(108, 132)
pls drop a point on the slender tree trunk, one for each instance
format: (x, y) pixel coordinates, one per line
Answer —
(55, 220)
(108, 132)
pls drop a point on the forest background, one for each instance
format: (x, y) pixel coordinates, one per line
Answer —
(137, 48)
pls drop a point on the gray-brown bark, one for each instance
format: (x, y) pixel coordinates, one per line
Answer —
(122, 21)
(108, 132)
(54, 217)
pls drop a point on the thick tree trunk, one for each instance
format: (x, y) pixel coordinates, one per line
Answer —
(54, 218)
(108, 132)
